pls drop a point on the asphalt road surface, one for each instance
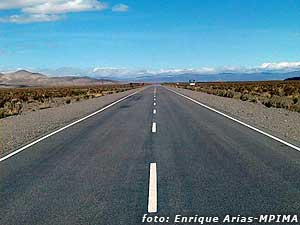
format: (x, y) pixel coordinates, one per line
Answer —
(163, 154)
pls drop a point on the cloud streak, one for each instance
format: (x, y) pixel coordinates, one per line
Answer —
(280, 65)
(33, 11)
(120, 8)
(15, 4)
(31, 18)
(66, 6)
(47, 6)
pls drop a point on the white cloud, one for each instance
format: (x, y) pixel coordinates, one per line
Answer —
(15, 4)
(46, 10)
(30, 18)
(52, 6)
(265, 67)
(120, 8)
(65, 6)
(280, 66)
(112, 71)
(100, 69)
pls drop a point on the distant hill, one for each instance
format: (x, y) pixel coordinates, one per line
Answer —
(293, 78)
(24, 78)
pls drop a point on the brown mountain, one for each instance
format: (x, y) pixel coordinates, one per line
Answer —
(24, 78)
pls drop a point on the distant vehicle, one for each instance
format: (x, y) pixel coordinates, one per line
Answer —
(192, 82)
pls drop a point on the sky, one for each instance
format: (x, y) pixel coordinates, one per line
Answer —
(152, 35)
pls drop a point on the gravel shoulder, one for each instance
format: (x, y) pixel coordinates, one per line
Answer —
(279, 122)
(16, 131)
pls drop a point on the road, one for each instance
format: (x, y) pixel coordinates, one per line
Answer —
(116, 165)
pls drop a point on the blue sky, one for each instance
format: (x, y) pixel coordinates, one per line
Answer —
(143, 34)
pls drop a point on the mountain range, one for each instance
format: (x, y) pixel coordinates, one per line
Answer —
(266, 71)
(24, 78)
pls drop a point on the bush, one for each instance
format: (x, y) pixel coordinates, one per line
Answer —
(267, 103)
(295, 100)
(2, 114)
(244, 97)
(221, 93)
(229, 94)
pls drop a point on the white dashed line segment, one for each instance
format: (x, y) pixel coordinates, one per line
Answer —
(152, 197)
(153, 127)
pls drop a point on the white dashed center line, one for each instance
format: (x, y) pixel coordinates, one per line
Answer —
(152, 197)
